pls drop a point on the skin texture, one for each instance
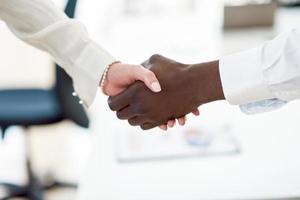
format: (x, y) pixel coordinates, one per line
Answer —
(184, 89)
(120, 76)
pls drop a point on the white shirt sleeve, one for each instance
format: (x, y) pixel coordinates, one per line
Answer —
(265, 77)
(44, 26)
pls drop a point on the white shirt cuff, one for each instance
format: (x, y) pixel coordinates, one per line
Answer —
(242, 78)
(88, 70)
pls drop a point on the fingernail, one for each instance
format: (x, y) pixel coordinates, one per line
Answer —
(156, 87)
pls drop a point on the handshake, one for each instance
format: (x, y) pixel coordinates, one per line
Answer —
(181, 89)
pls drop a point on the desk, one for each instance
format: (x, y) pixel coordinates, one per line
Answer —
(268, 167)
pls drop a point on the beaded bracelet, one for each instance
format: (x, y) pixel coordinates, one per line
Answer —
(104, 76)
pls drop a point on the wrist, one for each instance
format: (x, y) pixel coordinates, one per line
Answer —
(206, 82)
(105, 76)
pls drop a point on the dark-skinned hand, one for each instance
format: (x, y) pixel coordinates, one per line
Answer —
(184, 89)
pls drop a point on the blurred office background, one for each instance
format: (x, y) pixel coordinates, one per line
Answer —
(223, 154)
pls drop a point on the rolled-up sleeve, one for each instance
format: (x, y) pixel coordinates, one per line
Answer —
(41, 24)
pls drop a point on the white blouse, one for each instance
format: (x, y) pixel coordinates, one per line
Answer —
(41, 24)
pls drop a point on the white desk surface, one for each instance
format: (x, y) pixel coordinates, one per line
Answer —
(268, 167)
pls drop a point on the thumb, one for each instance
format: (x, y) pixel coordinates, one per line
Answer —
(148, 77)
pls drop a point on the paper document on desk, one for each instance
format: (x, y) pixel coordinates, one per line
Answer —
(136, 145)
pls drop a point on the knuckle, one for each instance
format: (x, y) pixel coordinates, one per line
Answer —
(119, 115)
(144, 127)
(144, 73)
(151, 75)
(133, 122)
(148, 126)
(111, 104)
(154, 58)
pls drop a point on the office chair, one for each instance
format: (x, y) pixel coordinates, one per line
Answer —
(289, 3)
(32, 107)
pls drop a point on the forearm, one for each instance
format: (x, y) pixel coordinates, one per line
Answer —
(41, 24)
(30, 16)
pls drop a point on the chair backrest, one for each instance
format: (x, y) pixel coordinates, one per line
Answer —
(64, 86)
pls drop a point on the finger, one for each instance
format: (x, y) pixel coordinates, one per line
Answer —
(136, 121)
(148, 126)
(182, 121)
(122, 100)
(148, 77)
(163, 127)
(171, 123)
(196, 112)
(125, 113)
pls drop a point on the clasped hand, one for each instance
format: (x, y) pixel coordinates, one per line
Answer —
(183, 89)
